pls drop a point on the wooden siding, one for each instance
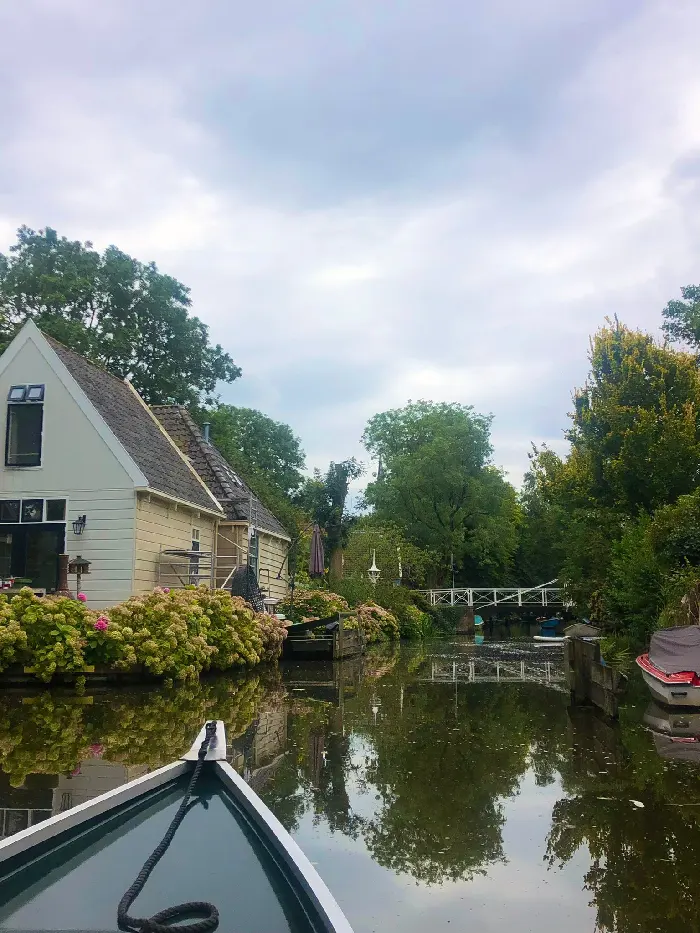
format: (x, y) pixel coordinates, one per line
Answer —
(160, 525)
(77, 465)
(273, 554)
(232, 545)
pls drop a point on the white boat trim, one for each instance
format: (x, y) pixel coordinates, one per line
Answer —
(675, 695)
(41, 832)
(273, 834)
(282, 845)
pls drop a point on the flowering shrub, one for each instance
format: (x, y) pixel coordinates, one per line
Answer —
(413, 622)
(172, 634)
(273, 631)
(377, 623)
(312, 604)
(13, 640)
(55, 628)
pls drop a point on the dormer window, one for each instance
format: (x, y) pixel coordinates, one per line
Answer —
(25, 420)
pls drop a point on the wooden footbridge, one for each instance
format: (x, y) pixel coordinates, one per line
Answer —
(482, 597)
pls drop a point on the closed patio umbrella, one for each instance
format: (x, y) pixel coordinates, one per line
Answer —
(317, 564)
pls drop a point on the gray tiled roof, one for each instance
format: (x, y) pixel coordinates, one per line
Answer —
(139, 433)
(232, 492)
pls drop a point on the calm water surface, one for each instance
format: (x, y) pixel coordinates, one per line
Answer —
(440, 787)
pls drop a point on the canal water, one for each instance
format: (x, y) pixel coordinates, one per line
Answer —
(444, 786)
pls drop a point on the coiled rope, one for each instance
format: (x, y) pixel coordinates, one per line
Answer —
(158, 923)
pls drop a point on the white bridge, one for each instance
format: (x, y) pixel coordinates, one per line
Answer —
(483, 671)
(481, 597)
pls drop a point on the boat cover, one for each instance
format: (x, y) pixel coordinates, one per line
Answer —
(674, 650)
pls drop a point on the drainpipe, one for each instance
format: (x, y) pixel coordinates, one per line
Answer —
(207, 427)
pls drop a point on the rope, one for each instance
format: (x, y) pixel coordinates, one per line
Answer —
(158, 923)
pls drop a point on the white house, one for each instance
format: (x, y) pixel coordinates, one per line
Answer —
(89, 470)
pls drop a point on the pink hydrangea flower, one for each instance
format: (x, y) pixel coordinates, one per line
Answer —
(82, 597)
(97, 750)
(166, 589)
(101, 624)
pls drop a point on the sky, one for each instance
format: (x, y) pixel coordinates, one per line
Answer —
(373, 201)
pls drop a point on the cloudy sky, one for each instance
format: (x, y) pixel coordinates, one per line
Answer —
(373, 201)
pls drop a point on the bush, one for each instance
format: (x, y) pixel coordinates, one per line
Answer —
(378, 624)
(308, 604)
(175, 634)
(413, 623)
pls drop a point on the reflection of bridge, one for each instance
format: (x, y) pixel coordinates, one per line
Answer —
(481, 597)
(483, 671)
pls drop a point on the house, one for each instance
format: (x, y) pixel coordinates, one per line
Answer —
(90, 471)
(249, 533)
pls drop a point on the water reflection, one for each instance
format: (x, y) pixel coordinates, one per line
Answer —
(431, 794)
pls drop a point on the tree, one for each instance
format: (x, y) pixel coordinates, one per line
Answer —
(324, 498)
(120, 313)
(682, 317)
(437, 485)
(637, 421)
(257, 445)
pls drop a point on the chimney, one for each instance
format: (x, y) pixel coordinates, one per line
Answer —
(207, 426)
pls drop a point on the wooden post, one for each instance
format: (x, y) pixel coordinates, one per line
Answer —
(62, 589)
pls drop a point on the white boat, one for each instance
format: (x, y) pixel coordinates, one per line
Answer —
(550, 639)
(670, 668)
(217, 848)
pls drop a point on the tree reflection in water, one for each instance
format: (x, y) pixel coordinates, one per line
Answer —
(420, 773)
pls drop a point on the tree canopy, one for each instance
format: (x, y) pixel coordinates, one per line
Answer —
(117, 311)
(436, 483)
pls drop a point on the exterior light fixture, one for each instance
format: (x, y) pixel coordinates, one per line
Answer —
(374, 571)
(79, 524)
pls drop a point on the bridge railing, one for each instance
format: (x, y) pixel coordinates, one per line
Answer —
(478, 597)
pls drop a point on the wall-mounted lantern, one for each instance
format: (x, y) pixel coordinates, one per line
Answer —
(79, 524)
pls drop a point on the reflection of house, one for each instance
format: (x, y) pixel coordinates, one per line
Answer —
(257, 753)
(80, 442)
(250, 533)
(24, 806)
(90, 779)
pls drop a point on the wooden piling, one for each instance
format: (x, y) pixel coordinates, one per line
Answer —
(590, 680)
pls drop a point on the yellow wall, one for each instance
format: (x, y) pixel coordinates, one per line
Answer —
(272, 551)
(161, 525)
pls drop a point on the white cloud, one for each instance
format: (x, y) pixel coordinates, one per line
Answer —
(424, 245)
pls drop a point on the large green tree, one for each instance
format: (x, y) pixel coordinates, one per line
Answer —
(437, 484)
(257, 445)
(682, 317)
(324, 498)
(117, 311)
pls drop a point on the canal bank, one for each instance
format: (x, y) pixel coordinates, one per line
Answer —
(449, 803)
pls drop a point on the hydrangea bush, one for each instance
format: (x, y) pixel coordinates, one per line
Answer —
(175, 634)
(308, 604)
(378, 624)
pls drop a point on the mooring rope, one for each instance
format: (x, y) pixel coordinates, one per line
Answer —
(158, 923)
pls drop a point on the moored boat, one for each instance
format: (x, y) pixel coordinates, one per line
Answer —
(670, 668)
(203, 838)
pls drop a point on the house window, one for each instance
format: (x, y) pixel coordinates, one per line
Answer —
(25, 419)
(194, 561)
(32, 510)
(55, 510)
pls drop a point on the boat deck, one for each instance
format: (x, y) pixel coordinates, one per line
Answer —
(216, 856)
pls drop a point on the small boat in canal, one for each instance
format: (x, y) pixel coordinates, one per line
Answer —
(670, 668)
(189, 842)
